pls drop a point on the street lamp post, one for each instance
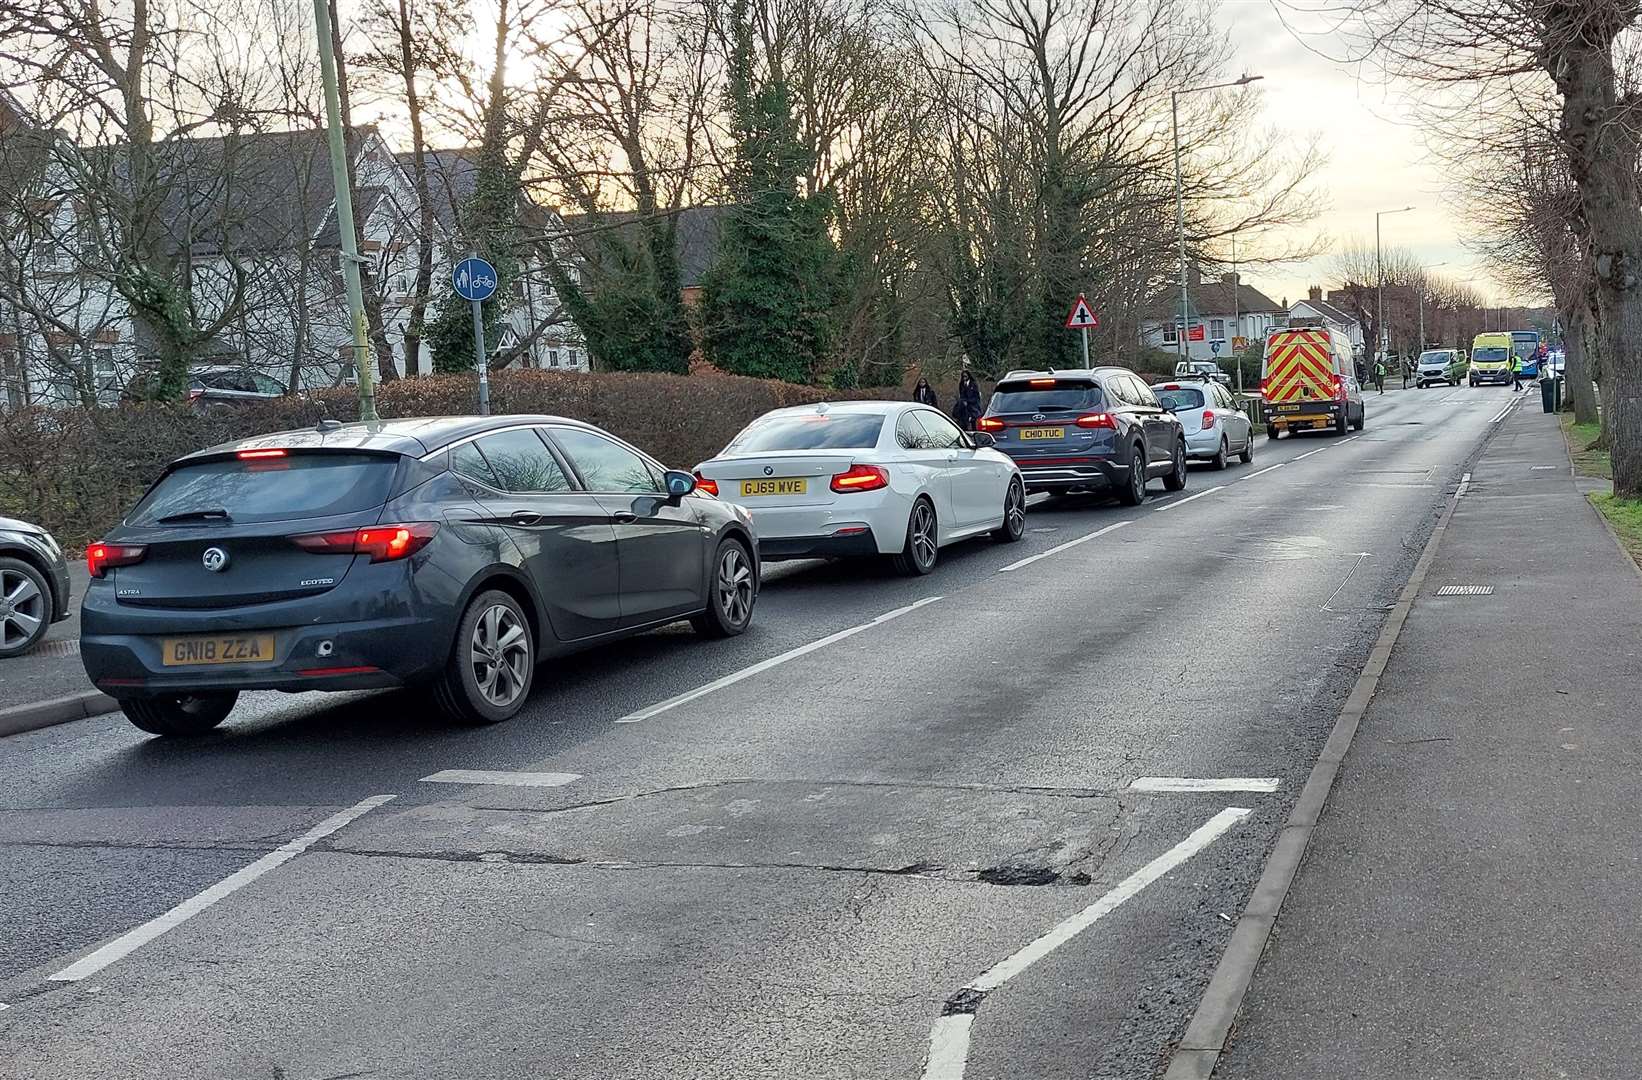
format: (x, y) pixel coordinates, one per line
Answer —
(1180, 198)
(1379, 283)
(1423, 269)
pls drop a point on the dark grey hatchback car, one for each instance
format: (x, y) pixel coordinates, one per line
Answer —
(454, 552)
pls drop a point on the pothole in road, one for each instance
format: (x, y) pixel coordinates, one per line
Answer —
(1030, 875)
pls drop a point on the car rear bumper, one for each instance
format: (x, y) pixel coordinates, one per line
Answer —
(1072, 473)
(850, 542)
(1304, 412)
(1204, 443)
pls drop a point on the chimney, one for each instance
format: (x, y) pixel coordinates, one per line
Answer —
(1316, 293)
(1230, 279)
(1194, 276)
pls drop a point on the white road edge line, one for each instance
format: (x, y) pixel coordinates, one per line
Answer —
(1465, 482)
(764, 665)
(1265, 784)
(497, 776)
(949, 1037)
(1501, 415)
(1030, 559)
(1263, 472)
(1308, 453)
(134, 939)
(1189, 498)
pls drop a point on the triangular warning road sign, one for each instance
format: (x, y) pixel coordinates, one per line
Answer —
(1082, 316)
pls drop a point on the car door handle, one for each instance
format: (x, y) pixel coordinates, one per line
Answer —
(525, 517)
(624, 517)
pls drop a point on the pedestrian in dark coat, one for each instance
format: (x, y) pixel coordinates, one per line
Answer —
(924, 394)
(968, 409)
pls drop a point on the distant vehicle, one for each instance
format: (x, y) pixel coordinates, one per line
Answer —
(450, 553)
(34, 586)
(1200, 369)
(1438, 366)
(215, 385)
(1215, 426)
(867, 478)
(1525, 345)
(1556, 361)
(1309, 382)
(1099, 429)
(1490, 359)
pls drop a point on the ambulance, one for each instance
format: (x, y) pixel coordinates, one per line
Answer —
(1309, 382)
(1490, 359)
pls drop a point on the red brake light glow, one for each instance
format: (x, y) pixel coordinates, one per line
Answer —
(861, 478)
(383, 543)
(1040, 382)
(990, 423)
(257, 455)
(1172, 386)
(705, 485)
(103, 557)
(1097, 420)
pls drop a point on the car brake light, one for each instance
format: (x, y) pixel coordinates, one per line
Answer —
(383, 543)
(1340, 387)
(1040, 382)
(101, 558)
(1172, 386)
(257, 455)
(990, 423)
(706, 485)
(1097, 420)
(1208, 418)
(861, 478)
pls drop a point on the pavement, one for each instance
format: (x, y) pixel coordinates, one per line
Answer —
(1004, 827)
(1467, 906)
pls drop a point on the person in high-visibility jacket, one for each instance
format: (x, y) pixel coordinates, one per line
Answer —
(1516, 373)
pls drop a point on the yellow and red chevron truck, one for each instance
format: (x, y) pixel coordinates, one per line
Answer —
(1308, 382)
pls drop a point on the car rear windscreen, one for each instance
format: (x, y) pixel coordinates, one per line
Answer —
(811, 431)
(1060, 398)
(272, 489)
(1186, 397)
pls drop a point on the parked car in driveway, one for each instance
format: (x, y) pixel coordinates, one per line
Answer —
(34, 586)
(215, 385)
(452, 553)
(867, 478)
(1099, 429)
(1215, 426)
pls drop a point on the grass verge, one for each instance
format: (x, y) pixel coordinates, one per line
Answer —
(1580, 436)
(1625, 515)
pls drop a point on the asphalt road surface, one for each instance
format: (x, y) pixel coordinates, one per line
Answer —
(926, 848)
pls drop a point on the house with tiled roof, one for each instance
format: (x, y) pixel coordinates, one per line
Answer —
(1223, 316)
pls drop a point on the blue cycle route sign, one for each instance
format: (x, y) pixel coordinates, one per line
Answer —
(475, 279)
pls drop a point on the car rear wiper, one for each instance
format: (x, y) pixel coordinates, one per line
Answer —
(195, 515)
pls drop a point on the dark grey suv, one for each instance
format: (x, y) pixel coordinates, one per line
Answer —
(1095, 429)
(34, 586)
(454, 552)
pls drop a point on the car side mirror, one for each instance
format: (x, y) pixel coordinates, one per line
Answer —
(679, 483)
(982, 439)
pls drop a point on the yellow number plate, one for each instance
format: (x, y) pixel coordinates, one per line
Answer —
(1030, 433)
(237, 649)
(776, 485)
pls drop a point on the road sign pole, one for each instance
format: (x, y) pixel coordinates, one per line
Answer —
(1086, 346)
(479, 357)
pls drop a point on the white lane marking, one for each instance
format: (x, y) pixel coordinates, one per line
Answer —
(1263, 472)
(1187, 499)
(1307, 454)
(1539, 468)
(1030, 559)
(496, 776)
(764, 665)
(134, 939)
(1342, 442)
(949, 1047)
(1497, 417)
(1193, 783)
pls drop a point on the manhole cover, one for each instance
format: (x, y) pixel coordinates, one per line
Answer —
(1466, 590)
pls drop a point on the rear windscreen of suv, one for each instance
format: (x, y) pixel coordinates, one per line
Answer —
(1187, 397)
(271, 489)
(1061, 398)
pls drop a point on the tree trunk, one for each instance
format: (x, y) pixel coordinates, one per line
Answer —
(1577, 370)
(424, 200)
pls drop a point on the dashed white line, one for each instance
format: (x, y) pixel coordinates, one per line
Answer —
(1030, 559)
(1194, 783)
(1353, 438)
(1187, 499)
(1465, 482)
(134, 939)
(1501, 415)
(765, 665)
(496, 776)
(1308, 453)
(949, 1037)
(1263, 472)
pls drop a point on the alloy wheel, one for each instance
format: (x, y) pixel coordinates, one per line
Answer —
(22, 608)
(500, 655)
(1014, 510)
(923, 534)
(735, 586)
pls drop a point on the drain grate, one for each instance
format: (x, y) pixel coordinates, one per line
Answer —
(1466, 590)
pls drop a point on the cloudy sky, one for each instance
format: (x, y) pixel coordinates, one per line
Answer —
(1376, 161)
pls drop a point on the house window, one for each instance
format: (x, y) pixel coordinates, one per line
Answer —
(553, 358)
(1171, 335)
(1217, 329)
(573, 360)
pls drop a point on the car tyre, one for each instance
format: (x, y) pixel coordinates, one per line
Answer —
(917, 558)
(25, 607)
(733, 592)
(1247, 453)
(492, 663)
(1343, 421)
(1362, 417)
(1176, 480)
(1223, 457)
(1273, 432)
(179, 714)
(1013, 528)
(1134, 490)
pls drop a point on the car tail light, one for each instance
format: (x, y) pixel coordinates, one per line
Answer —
(990, 423)
(1040, 383)
(1339, 387)
(704, 484)
(1208, 419)
(1097, 420)
(861, 478)
(195, 395)
(383, 543)
(259, 455)
(104, 557)
(1172, 386)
